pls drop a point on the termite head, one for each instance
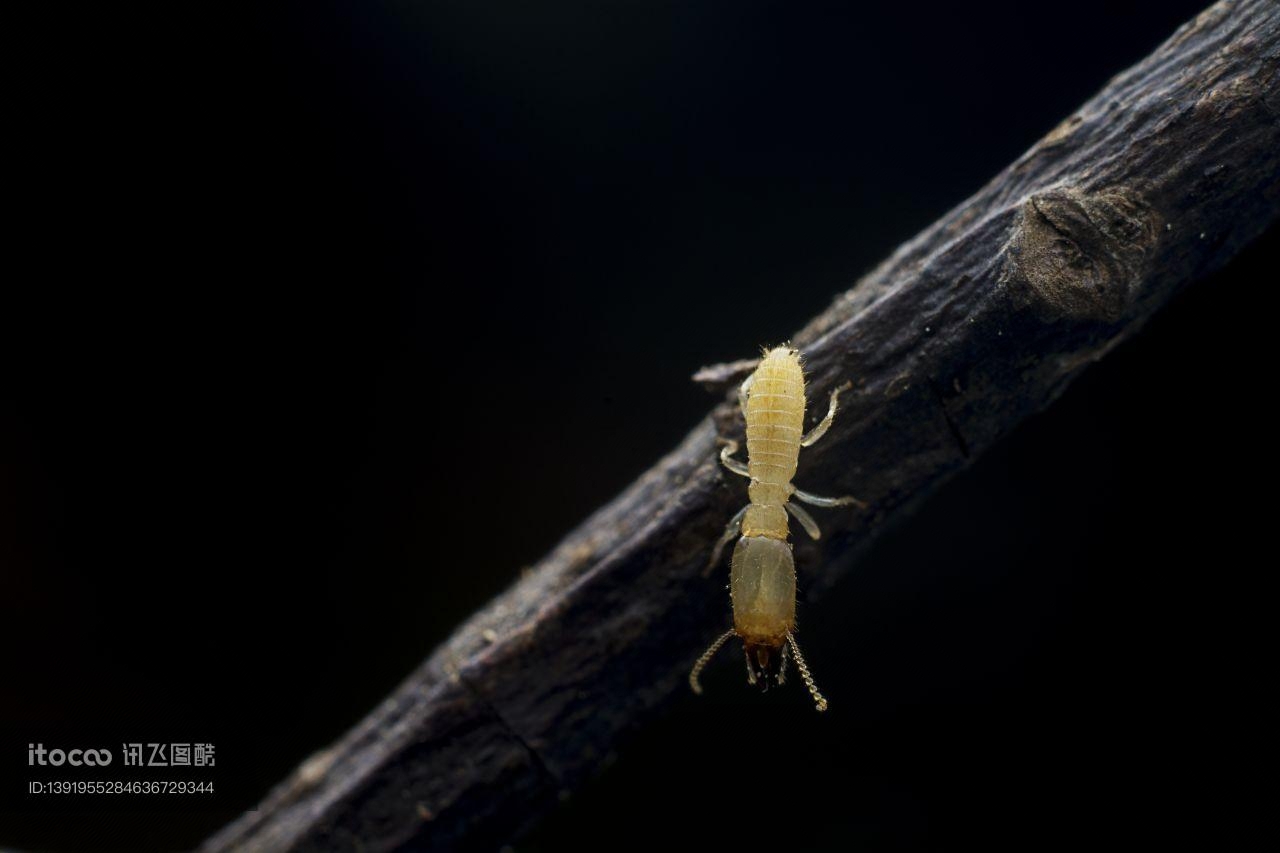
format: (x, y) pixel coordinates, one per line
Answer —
(762, 584)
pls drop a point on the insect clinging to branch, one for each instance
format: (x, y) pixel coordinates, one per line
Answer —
(763, 577)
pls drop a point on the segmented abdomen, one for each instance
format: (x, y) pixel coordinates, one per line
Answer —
(775, 424)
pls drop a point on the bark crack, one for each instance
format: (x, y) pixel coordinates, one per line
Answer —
(536, 757)
(952, 427)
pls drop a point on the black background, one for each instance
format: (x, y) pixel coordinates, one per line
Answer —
(330, 318)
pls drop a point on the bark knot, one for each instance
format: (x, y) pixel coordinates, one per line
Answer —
(1077, 255)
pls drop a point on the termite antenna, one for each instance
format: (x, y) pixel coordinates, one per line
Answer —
(804, 674)
(706, 656)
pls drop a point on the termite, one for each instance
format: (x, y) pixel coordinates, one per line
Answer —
(762, 580)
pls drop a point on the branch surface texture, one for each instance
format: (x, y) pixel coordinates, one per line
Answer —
(979, 321)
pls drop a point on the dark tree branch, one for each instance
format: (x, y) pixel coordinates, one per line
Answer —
(979, 321)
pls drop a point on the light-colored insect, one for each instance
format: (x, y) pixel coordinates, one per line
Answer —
(762, 581)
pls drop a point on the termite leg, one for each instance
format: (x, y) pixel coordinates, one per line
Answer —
(727, 460)
(751, 673)
(818, 698)
(731, 530)
(702, 661)
(818, 500)
(744, 390)
(782, 669)
(806, 521)
(821, 429)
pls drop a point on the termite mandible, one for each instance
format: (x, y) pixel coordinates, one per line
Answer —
(762, 582)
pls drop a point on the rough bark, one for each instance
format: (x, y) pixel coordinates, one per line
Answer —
(978, 322)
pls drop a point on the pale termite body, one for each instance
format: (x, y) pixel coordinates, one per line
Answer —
(762, 583)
